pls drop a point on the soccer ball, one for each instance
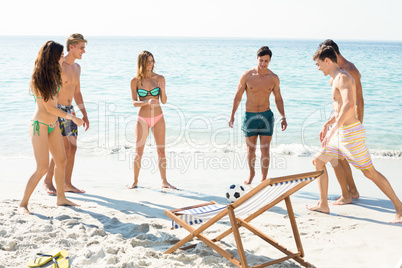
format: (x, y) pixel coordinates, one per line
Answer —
(234, 192)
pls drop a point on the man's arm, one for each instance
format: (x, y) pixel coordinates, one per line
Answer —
(324, 129)
(344, 85)
(241, 87)
(79, 100)
(279, 103)
(359, 94)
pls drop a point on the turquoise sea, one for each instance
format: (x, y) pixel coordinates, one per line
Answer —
(201, 79)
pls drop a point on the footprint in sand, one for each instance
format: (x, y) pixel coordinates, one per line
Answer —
(111, 250)
(63, 217)
(95, 242)
(97, 232)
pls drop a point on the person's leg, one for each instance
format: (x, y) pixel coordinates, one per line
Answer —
(48, 183)
(265, 143)
(353, 148)
(158, 130)
(141, 134)
(386, 188)
(360, 158)
(41, 153)
(71, 143)
(346, 198)
(56, 148)
(349, 179)
(251, 143)
(319, 164)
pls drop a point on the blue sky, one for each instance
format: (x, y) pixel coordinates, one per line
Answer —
(295, 19)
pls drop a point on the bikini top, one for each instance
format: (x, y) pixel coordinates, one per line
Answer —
(153, 92)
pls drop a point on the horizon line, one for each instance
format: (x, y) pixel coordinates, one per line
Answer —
(212, 37)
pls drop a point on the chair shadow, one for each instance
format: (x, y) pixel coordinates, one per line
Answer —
(192, 195)
(144, 208)
(126, 206)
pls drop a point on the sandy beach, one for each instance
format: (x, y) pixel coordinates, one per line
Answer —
(117, 227)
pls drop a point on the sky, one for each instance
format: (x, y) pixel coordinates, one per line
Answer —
(276, 19)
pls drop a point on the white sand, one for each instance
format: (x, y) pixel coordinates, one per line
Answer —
(117, 227)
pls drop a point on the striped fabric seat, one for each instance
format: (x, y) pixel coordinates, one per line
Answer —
(263, 197)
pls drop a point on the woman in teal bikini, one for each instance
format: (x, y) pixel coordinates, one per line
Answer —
(45, 132)
(147, 88)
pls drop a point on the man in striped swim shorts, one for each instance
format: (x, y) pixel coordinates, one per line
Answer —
(346, 138)
(342, 169)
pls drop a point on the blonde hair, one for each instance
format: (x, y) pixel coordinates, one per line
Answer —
(142, 65)
(75, 39)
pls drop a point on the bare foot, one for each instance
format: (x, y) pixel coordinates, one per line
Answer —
(167, 185)
(49, 188)
(319, 208)
(398, 216)
(72, 189)
(66, 202)
(24, 211)
(132, 186)
(342, 201)
(250, 179)
(354, 194)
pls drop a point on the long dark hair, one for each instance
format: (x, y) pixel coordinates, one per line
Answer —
(46, 77)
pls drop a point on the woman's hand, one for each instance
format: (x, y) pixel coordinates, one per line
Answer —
(78, 121)
(153, 102)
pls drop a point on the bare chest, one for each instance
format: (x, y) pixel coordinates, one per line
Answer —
(264, 83)
(70, 77)
(336, 95)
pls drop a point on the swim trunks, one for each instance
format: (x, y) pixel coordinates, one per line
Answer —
(67, 127)
(255, 124)
(350, 142)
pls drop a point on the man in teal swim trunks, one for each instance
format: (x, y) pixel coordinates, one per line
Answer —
(258, 83)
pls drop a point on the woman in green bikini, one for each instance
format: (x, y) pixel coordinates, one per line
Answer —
(45, 132)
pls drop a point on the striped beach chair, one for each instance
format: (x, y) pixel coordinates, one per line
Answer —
(258, 200)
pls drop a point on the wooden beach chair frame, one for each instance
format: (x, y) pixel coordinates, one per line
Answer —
(237, 222)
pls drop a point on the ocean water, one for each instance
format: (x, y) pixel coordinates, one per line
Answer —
(201, 80)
